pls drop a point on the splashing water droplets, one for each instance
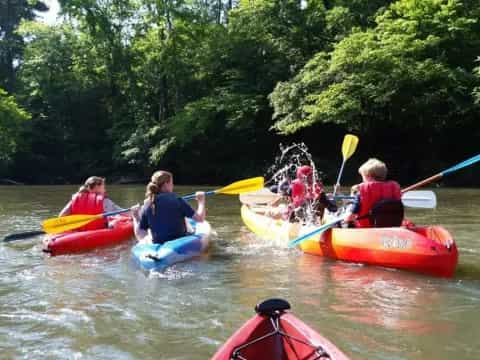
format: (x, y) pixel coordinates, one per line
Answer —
(285, 167)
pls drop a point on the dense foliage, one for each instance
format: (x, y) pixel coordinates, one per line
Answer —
(11, 119)
(208, 89)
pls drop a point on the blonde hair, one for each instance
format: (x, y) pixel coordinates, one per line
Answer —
(90, 183)
(375, 169)
(158, 179)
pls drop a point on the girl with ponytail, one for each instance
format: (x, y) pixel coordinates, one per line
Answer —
(163, 212)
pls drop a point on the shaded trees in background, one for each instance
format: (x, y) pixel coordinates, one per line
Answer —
(11, 121)
(401, 85)
(12, 12)
(64, 85)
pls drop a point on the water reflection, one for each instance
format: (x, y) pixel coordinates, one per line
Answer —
(101, 306)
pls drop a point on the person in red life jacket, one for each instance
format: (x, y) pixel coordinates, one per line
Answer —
(374, 188)
(304, 191)
(91, 199)
(164, 213)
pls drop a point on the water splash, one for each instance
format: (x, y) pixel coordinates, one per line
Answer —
(285, 164)
(284, 168)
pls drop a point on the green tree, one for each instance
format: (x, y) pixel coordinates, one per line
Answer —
(12, 12)
(64, 84)
(405, 72)
(11, 120)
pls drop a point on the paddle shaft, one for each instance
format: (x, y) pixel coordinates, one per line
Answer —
(192, 196)
(459, 166)
(339, 177)
(235, 188)
(318, 231)
(423, 182)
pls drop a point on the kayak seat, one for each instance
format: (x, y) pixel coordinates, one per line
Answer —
(386, 213)
(272, 306)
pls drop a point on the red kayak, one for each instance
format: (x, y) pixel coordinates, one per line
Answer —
(120, 229)
(277, 335)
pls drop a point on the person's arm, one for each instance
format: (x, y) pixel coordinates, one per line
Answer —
(109, 206)
(329, 204)
(66, 210)
(140, 223)
(352, 210)
(200, 214)
(188, 211)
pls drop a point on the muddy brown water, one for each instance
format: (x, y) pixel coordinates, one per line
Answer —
(100, 306)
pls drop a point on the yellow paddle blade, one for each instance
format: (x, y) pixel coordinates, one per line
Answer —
(242, 186)
(349, 145)
(65, 223)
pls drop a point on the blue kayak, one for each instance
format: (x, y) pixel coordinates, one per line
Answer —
(160, 256)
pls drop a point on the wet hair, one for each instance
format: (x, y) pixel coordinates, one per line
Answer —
(375, 169)
(90, 183)
(158, 179)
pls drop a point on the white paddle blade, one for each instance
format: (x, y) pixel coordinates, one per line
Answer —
(262, 196)
(420, 199)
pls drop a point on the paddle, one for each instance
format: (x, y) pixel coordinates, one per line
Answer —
(417, 199)
(70, 222)
(262, 196)
(317, 231)
(23, 235)
(348, 148)
(459, 166)
(235, 188)
(65, 223)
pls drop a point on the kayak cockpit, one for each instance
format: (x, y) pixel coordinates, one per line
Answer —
(276, 334)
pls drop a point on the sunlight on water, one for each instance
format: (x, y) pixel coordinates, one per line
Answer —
(99, 305)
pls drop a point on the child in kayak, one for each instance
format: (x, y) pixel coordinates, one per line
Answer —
(373, 190)
(164, 213)
(304, 192)
(91, 199)
(307, 192)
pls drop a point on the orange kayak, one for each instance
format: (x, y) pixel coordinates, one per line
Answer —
(425, 249)
(121, 229)
(275, 334)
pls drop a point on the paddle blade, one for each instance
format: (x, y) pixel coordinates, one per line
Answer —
(21, 236)
(317, 232)
(420, 199)
(349, 145)
(242, 186)
(262, 196)
(66, 223)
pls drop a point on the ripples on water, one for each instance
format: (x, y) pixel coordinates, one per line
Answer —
(100, 306)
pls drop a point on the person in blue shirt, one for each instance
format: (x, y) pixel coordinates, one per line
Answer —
(164, 213)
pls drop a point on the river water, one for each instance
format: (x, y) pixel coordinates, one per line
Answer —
(100, 306)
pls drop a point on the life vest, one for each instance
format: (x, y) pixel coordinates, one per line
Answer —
(370, 193)
(301, 192)
(88, 203)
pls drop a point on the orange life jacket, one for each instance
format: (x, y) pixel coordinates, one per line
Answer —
(373, 191)
(88, 203)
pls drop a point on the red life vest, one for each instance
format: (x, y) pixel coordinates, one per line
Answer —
(372, 192)
(301, 192)
(88, 203)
